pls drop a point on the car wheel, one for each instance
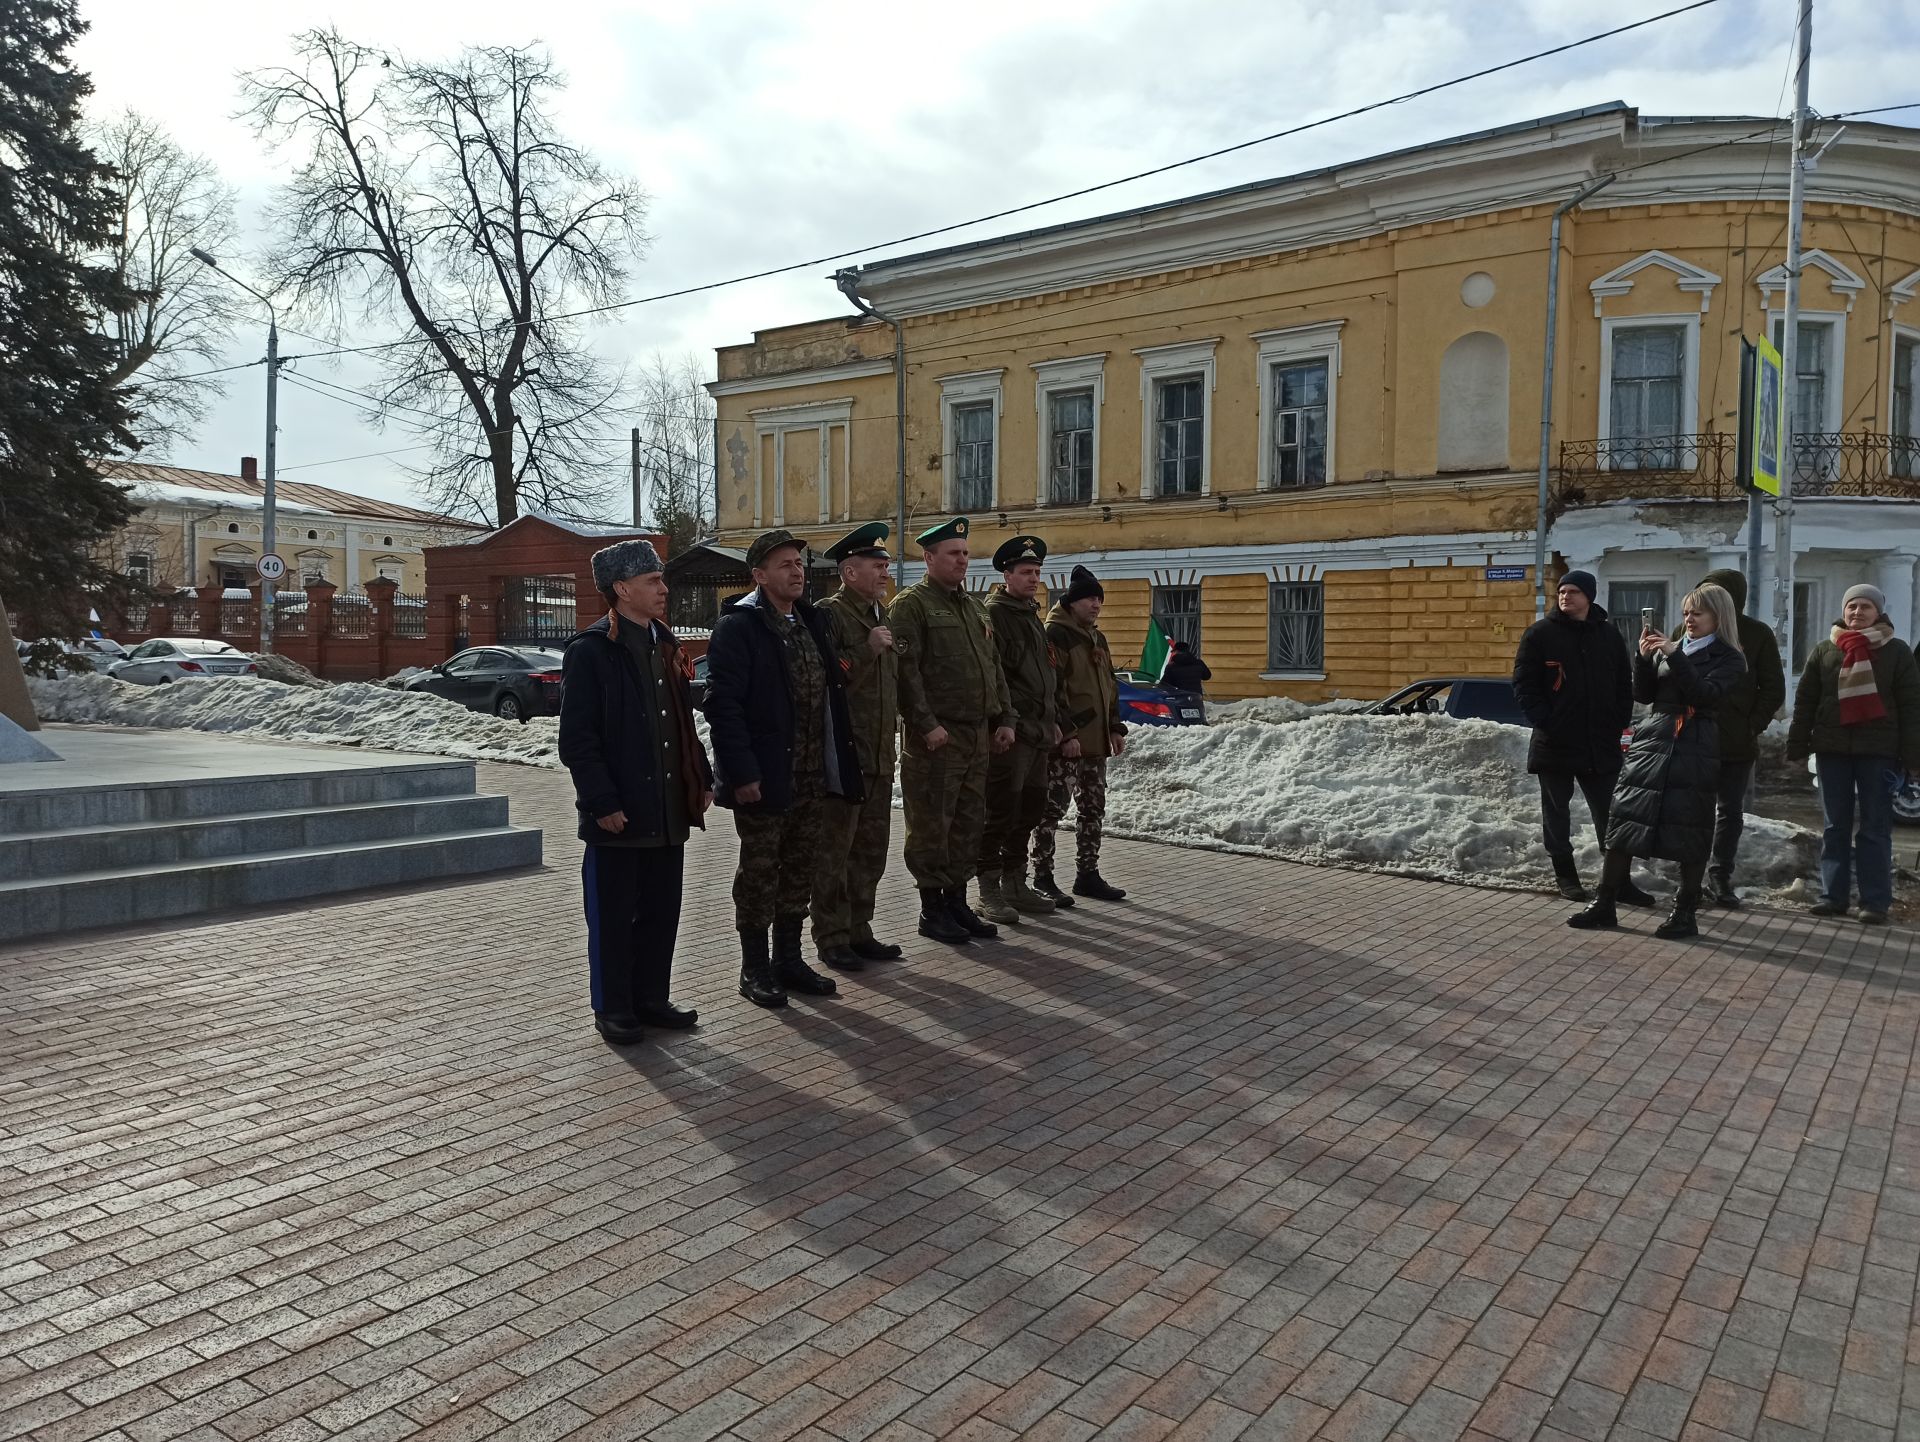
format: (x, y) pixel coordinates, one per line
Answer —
(166, 680)
(1906, 805)
(508, 708)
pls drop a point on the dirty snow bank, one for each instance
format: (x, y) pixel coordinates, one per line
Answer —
(1278, 710)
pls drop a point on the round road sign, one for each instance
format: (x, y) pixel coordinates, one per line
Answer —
(271, 567)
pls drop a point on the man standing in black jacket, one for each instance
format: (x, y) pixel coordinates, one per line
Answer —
(782, 743)
(641, 780)
(1574, 679)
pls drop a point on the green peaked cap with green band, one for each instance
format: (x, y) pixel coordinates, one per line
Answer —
(867, 540)
(953, 530)
(1019, 550)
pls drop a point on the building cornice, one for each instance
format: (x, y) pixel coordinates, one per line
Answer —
(786, 380)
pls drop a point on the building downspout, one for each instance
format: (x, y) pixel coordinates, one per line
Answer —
(849, 282)
(1546, 394)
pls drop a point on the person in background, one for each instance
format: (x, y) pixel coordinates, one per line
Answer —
(1017, 777)
(1745, 711)
(1573, 677)
(1184, 670)
(1089, 711)
(1664, 800)
(641, 781)
(1857, 712)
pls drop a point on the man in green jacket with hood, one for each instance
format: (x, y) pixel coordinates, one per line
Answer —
(1745, 710)
(1017, 777)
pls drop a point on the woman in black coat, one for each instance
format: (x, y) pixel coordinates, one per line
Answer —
(1663, 801)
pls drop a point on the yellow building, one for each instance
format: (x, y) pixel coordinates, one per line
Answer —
(1300, 421)
(196, 528)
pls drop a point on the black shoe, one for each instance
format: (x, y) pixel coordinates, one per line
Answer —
(669, 1017)
(1631, 895)
(1828, 908)
(1043, 883)
(1720, 891)
(936, 922)
(1566, 877)
(1680, 923)
(841, 958)
(1092, 885)
(758, 984)
(618, 1030)
(968, 919)
(790, 968)
(1872, 918)
(1598, 917)
(872, 950)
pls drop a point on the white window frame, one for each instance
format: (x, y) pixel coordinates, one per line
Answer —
(968, 388)
(1174, 362)
(1320, 341)
(1837, 375)
(1672, 589)
(776, 421)
(1902, 333)
(146, 557)
(1074, 373)
(1689, 378)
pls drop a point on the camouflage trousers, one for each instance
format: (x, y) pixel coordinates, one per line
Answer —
(852, 856)
(1016, 800)
(1082, 780)
(777, 854)
(944, 794)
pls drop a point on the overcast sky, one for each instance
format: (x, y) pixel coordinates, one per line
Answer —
(768, 133)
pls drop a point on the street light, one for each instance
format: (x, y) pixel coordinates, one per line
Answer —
(273, 400)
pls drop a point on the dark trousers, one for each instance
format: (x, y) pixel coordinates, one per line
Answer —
(633, 917)
(1617, 870)
(1016, 799)
(1862, 787)
(1556, 808)
(1730, 815)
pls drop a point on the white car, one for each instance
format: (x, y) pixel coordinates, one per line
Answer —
(98, 649)
(168, 659)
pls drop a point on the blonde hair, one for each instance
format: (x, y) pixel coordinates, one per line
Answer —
(1718, 601)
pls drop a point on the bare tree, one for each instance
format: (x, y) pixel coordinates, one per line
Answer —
(675, 417)
(174, 322)
(440, 197)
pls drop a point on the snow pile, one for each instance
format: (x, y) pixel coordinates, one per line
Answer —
(280, 668)
(1278, 710)
(398, 680)
(351, 713)
(1420, 795)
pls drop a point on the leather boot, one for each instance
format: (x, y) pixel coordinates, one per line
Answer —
(1013, 886)
(618, 1030)
(1680, 922)
(1092, 884)
(1720, 890)
(993, 905)
(1567, 877)
(870, 948)
(757, 981)
(935, 922)
(965, 916)
(1600, 916)
(841, 958)
(1043, 884)
(1632, 895)
(790, 968)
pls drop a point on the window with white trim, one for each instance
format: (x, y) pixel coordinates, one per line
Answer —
(1626, 603)
(140, 567)
(1815, 388)
(1296, 626)
(1176, 418)
(1176, 609)
(1299, 368)
(1906, 418)
(970, 433)
(1068, 396)
(1647, 387)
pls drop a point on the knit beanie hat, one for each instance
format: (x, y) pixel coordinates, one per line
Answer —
(1584, 581)
(1864, 592)
(1081, 585)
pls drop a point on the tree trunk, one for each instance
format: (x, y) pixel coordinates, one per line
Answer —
(506, 490)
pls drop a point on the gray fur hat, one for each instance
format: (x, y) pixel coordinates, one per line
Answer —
(622, 561)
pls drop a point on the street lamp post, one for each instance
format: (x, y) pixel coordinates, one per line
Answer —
(273, 428)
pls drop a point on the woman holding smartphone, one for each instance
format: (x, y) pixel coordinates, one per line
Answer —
(1857, 711)
(1663, 801)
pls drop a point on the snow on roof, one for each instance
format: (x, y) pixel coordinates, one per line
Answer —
(181, 483)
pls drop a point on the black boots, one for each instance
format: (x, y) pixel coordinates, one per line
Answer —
(841, 958)
(1566, 878)
(758, 984)
(1720, 890)
(617, 1030)
(1680, 923)
(868, 948)
(1043, 883)
(1631, 895)
(1092, 884)
(790, 968)
(936, 922)
(965, 917)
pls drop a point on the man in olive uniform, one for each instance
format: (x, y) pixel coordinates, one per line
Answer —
(854, 834)
(1017, 777)
(954, 703)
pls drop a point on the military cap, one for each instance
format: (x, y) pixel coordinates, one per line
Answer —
(764, 546)
(867, 540)
(1019, 549)
(622, 561)
(953, 530)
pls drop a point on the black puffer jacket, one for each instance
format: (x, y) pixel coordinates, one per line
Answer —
(1663, 800)
(1574, 680)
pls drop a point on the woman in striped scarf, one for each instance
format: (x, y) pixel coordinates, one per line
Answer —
(1857, 712)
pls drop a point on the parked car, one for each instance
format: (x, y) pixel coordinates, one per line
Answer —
(697, 689)
(1467, 698)
(99, 650)
(511, 682)
(166, 659)
(1147, 703)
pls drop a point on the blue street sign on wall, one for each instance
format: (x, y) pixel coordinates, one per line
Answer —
(1506, 573)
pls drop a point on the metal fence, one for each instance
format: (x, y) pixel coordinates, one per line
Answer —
(1706, 468)
(136, 613)
(409, 615)
(352, 617)
(290, 620)
(236, 618)
(536, 610)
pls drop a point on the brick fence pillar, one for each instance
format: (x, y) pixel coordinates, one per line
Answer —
(207, 608)
(380, 594)
(160, 611)
(319, 624)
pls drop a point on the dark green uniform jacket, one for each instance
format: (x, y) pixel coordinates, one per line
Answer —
(1088, 695)
(873, 682)
(949, 671)
(1026, 660)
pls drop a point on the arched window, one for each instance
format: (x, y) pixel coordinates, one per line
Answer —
(233, 528)
(1473, 404)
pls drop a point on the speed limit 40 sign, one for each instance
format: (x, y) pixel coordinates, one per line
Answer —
(271, 567)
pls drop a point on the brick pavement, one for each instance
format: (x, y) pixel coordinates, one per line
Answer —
(1272, 1152)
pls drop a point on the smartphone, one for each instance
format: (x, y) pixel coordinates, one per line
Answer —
(1646, 618)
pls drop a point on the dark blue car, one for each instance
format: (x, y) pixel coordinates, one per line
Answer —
(1147, 703)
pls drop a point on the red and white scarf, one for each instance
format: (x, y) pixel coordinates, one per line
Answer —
(1859, 693)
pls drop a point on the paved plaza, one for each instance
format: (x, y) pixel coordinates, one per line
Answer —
(1266, 1152)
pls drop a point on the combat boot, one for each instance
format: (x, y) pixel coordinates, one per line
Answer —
(1043, 884)
(1566, 878)
(841, 958)
(1632, 895)
(1680, 923)
(1720, 890)
(1013, 886)
(935, 922)
(871, 948)
(790, 968)
(969, 921)
(1092, 884)
(757, 981)
(993, 904)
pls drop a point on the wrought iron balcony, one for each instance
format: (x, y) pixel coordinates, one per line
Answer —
(1703, 468)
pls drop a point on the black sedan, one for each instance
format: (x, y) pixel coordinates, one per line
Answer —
(511, 682)
(1476, 698)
